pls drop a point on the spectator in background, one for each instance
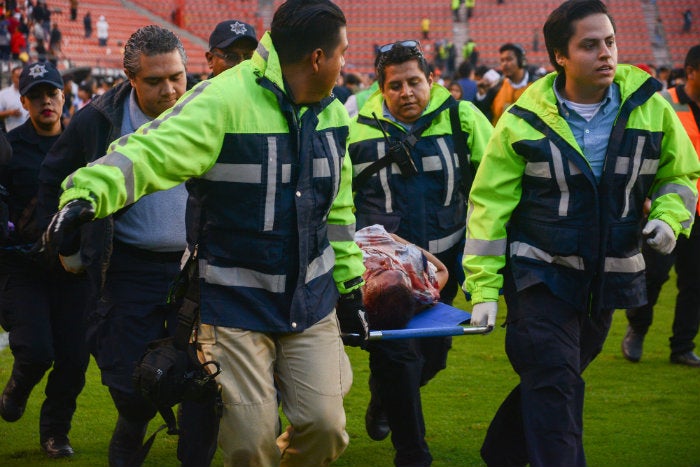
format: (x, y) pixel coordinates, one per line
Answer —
(55, 44)
(39, 37)
(11, 110)
(73, 10)
(231, 42)
(425, 28)
(662, 74)
(685, 99)
(516, 78)
(18, 44)
(5, 37)
(455, 4)
(86, 90)
(465, 78)
(42, 14)
(687, 20)
(87, 25)
(102, 27)
(470, 52)
(470, 8)
(455, 90)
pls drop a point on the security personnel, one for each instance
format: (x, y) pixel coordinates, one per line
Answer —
(516, 78)
(263, 144)
(559, 201)
(416, 189)
(41, 305)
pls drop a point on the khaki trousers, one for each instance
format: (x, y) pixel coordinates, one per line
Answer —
(311, 373)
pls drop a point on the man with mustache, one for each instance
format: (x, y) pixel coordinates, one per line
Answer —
(415, 185)
(131, 258)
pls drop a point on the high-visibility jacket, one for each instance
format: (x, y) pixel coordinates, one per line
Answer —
(270, 194)
(687, 119)
(536, 199)
(428, 208)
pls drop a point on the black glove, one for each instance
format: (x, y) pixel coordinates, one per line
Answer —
(351, 316)
(65, 222)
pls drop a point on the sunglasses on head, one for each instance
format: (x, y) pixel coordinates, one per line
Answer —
(411, 44)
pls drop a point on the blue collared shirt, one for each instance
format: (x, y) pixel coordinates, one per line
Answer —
(592, 135)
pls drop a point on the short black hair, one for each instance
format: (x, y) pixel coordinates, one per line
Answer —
(465, 69)
(517, 50)
(397, 55)
(301, 26)
(692, 58)
(150, 40)
(559, 27)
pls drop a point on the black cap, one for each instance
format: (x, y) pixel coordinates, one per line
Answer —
(37, 73)
(228, 32)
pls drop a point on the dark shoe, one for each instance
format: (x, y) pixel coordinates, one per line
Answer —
(126, 442)
(12, 402)
(686, 358)
(57, 446)
(632, 345)
(376, 423)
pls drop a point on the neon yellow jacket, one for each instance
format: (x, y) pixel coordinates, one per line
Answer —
(536, 198)
(273, 186)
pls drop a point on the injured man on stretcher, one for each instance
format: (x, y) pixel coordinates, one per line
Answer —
(401, 279)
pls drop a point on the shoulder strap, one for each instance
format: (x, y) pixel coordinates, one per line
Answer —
(186, 287)
(410, 139)
(459, 138)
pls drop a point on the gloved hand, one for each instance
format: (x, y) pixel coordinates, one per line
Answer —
(660, 236)
(351, 317)
(66, 221)
(484, 314)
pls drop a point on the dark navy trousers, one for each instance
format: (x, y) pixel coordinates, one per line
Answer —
(43, 313)
(134, 311)
(549, 344)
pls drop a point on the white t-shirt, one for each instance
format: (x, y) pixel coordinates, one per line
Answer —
(9, 99)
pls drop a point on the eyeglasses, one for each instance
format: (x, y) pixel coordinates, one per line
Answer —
(232, 57)
(411, 44)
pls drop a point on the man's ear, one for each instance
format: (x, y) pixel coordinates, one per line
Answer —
(208, 55)
(316, 57)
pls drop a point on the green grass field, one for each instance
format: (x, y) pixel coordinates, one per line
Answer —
(642, 415)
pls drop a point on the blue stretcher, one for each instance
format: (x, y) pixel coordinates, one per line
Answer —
(439, 320)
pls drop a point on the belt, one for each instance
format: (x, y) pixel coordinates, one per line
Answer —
(148, 255)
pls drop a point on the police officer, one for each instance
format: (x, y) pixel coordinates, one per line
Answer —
(417, 190)
(41, 305)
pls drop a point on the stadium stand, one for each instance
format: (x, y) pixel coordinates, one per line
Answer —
(678, 43)
(122, 23)
(372, 23)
